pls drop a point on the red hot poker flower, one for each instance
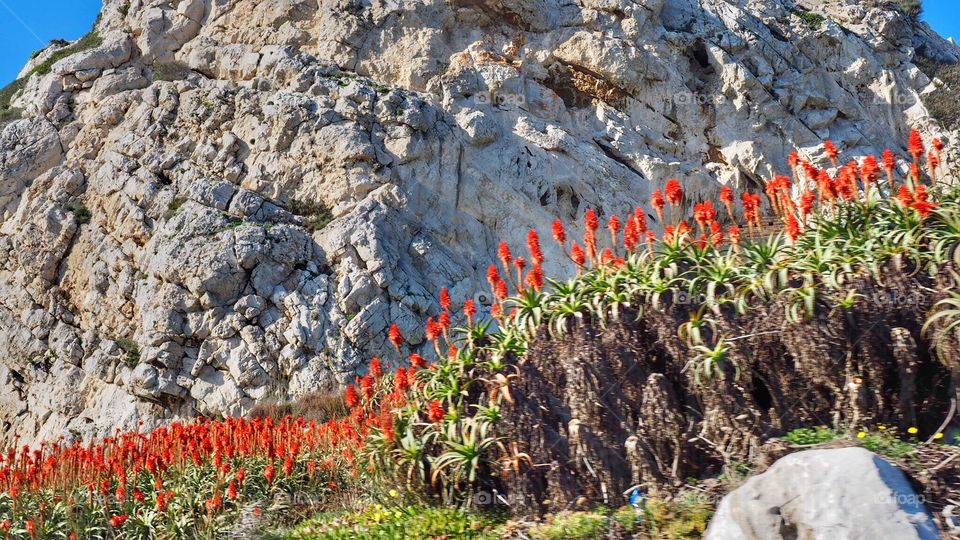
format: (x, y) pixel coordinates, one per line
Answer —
(904, 197)
(658, 202)
(577, 255)
(559, 233)
(726, 197)
(435, 411)
(376, 370)
(417, 361)
(503, 253)
(793, 227)
(831, 151)
(938, 145)
(535, 278)
(445, 302)
(889, 161)
(533, 244)
(915, 145)
(118, 521)
(590, 220)
(469, 309)
(735, 235)
(922, 203)
(674, 192)
(396, 338)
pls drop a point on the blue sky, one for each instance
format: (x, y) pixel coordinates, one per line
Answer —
(27, 25)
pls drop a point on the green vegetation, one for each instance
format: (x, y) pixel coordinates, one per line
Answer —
(316, 214)
(131, 349)
(942, 102)
(811, 436)
(124, 9)
(315, 406)
(912, 8)
(174, 207)
(87, 42)
(812, 20)
(883, 441)
(170, 71)
(399, 523)
(81, 213)
(687, 517)
(7, 94)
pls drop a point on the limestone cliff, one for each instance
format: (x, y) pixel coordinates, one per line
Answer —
(166, 243)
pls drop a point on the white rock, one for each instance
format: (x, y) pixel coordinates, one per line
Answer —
(842, 494)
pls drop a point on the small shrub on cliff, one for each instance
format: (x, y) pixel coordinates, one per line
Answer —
(87, 42)
(170, 71)
(131, 351)
(316, 214)
(810, 19)
(81, 213)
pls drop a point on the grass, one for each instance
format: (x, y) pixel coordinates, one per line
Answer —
(942, 102)
(812, 20)
(400, 523)
(912, 8)
(884, 441)
(87, 42)
(316, 214)
(584, 525)
(673, 520)
(81, 213)
(131, 351)
(174, 207)
(170, 71)
(316, 406)
(7, 113)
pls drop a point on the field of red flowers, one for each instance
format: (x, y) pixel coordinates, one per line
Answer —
(426, 429)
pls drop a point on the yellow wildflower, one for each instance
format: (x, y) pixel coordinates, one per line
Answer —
(938, 436)
(912, 430)
(861, 435)
(393, 493)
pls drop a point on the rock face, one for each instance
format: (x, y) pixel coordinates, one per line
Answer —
(848, 493)
(163, 203)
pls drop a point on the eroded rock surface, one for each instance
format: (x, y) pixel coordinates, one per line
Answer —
(152, 262)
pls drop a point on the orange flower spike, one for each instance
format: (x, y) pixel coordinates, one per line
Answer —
(905, 197)
(674, 192)
(806, 204)
(792, 227)
(868, 173)
(658, 203)
(396, 338)
(736, 237)
(533, 245)
(590, 234)
(716, 234)
(559, 233)
(469, 309)
(520, 263)
(613, 225)
(831, 151)
(578, 257)
(535, 278)
(445, 302)
(726, 197)
(933, 161)
(503, 253)
(641, 220)
(889, 164)
(915, 145)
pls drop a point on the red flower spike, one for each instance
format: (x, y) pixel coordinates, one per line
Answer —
(577, 255)
(793, 227)
(736, 236)
(674, 192)
(831, 151)
(396, 338)
(469, 309)
(590, 220)
(435, 412)
(915, 145)
(535, 278)
(445, 302)
(658, 203)
(503, 253)
(559, 233)
(533, 244)
(417, 361)
(376, 370)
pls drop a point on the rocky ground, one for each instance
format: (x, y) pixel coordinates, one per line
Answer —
(226, 201)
